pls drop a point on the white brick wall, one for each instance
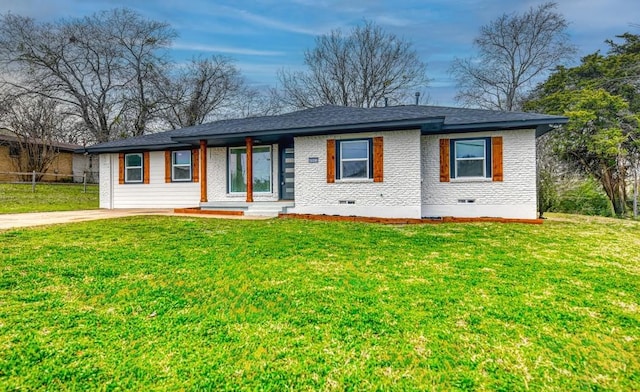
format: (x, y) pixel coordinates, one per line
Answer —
(515, 197)
(106, 179)
(217, 177)
(397, 196)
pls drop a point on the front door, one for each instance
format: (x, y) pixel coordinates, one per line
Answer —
(286, 171)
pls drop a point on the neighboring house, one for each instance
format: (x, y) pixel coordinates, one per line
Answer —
(389, 162)
(70, 160)
(85, 164)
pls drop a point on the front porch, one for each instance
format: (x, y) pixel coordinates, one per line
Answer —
(256, 208)
(246, 179)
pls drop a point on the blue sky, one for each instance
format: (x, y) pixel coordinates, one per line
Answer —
(266, 35)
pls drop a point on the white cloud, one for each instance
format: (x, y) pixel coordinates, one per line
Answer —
(269, 22)
(390, 20)
(225, 49)
(336, 6)
(600, 15)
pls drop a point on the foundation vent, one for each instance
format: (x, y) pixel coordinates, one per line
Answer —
(466, 201)
(346, 202)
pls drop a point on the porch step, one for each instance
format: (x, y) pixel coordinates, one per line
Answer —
(258, 208)
(272, 213)
(267, 208)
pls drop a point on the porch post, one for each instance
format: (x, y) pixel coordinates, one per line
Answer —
(203, 171)
(249, 142)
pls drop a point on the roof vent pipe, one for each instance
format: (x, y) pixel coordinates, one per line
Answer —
(386, 101)
(417, 98)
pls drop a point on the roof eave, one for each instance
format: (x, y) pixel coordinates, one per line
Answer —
(142, 147)
(542, 129)
(540, 125)
(430, 125)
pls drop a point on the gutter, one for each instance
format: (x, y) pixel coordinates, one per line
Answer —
(522, 124)
(140, 147)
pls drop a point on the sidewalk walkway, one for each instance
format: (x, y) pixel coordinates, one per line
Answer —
(12, 221)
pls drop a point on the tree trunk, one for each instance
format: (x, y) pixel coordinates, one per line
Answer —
(612, 189)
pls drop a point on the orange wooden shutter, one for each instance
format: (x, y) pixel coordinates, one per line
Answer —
(121, 168)
(145, 167)
(167, 166)
(378, 159)
(445, 169)
(496, 158)
(331, 160)
(195, 162)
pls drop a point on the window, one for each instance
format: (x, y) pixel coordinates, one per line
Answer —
(261, 169)
(470, 158)
(181, 165)
(354, 159)
(133, 168)
(14, 150)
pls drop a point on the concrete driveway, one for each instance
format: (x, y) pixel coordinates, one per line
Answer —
(12, 221)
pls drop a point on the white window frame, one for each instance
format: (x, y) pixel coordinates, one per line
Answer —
(141, 167)
(174, 165)
(270, 191)
(483, 159)
(366, 160)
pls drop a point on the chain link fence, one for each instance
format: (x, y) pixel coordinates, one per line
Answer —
(35, 178)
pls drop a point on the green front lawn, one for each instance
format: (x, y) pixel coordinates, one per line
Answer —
(166, 303)
(15, 198)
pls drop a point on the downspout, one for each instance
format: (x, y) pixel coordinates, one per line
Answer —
(203, 171)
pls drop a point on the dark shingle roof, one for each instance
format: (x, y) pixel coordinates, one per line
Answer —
(328, 119)
(68, 147)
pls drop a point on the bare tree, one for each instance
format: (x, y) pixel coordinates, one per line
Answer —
(146, 62)
(100, 67)
(36, 125)
(204, 86)
(253, 102)
(358, 68)
(514, 51)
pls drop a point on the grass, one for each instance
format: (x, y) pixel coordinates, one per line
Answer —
(16, 198)
(166, 303)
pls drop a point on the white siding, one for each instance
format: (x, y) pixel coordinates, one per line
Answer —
(156, 194)
(217, 177)
(397, 196)
(515, 197)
